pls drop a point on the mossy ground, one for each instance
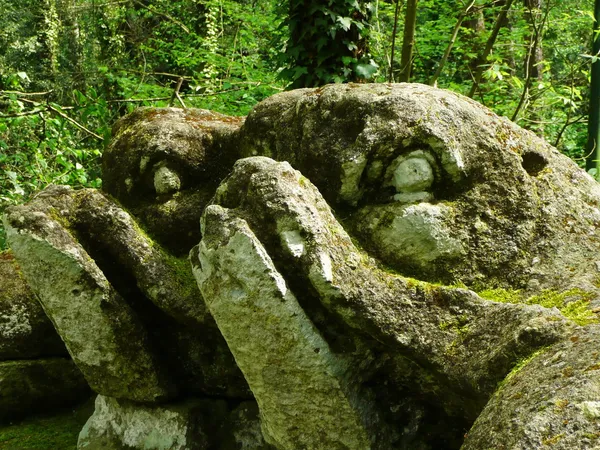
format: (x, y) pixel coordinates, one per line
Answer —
(57, 431)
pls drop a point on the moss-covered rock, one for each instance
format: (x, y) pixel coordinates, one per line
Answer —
(164, 165)
(301, 386)
(405, 339)
(549, 401)
(101, 331)
(489, 204)
(130, 314)
(309, 282)
(25, 331)
(194, 424)
(27, 387)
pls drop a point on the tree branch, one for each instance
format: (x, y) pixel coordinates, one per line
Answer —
(535, 41)
(444, 59)
(22, 114)
(396, 13)
(165, 15)
(74, 122)
(488, 47)
(26, 94)
(49, 107)
(176, 95)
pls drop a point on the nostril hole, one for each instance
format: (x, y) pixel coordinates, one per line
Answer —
(533, 163)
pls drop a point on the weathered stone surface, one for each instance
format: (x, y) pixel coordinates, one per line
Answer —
(25, 331)
(301, 386)
(340, 348)
(130, 314)
(552, 401)
(38, 385)
(164, 165)
(189, 425)
(432, 342)
(489, 203)
(101, 331)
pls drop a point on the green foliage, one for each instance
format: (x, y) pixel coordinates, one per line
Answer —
(42, 148)
(555, 107)
(327, 43)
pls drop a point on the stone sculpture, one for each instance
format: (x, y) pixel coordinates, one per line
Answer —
(319, 266)
(36, 373)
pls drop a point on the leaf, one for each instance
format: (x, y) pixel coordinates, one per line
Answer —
(350, 45)
(517, 82)
(347, 60)
(299, 71)
(346, 22)
(79, 96)
(365, 71)
(321, 42)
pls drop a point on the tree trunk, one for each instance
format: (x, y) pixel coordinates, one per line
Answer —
(459, 22)
(535, 54)
(475, 27)
(593, 155)
(397, 10)
(533, 59)
(408, 44)
(500, 21)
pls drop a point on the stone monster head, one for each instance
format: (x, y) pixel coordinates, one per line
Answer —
(434, 184)
(164, 164)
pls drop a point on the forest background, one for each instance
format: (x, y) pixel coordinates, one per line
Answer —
(70, 68)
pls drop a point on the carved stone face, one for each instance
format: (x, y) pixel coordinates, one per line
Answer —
(428, 181)
(436, 186)
(165, 164)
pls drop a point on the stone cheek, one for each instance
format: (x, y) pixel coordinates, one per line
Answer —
(417, 234)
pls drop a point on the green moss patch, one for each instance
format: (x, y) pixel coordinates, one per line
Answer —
(574, 304)
(58, 431)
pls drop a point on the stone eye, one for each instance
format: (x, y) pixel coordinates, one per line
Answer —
(413, 175)
(166, 180)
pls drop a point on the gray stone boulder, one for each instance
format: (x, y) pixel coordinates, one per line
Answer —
(25, 330)
(36, 373)
(303, 388)
(433, 186)
(273, 255)
(319, 276)
(129, 313)
(194, 424)
(437, 186)
(550, 400)
(115, 286)
(164, 165)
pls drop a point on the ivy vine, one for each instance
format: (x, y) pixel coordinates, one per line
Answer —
(327, 42)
